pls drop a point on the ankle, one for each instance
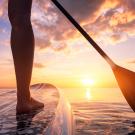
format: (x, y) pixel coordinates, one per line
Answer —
(23, 101)
(23, 98)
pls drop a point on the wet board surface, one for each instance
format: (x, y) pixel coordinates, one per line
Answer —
(35, 123)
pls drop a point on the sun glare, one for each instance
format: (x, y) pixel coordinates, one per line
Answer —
(88, 94)
(88, 82)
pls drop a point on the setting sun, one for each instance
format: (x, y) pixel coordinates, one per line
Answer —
(88, 82)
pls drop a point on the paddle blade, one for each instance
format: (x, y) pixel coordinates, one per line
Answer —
(126, 82)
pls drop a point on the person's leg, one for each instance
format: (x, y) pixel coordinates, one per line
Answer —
(22, 45)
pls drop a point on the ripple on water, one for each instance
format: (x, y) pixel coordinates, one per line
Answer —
(100, 118)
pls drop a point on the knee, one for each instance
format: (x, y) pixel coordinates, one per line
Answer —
(20, 21)
(19, 12)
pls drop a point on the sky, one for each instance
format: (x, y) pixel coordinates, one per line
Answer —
(62, 56)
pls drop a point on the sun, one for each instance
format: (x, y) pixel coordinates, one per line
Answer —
(87, 82)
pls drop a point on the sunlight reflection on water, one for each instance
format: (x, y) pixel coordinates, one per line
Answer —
(101, 112)
(88, 94)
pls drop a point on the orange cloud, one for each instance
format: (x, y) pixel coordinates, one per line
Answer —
(101, 18)
(39, 65)
(3, 8)
(131, 62)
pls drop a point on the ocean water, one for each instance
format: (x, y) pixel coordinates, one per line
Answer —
(96, 111)
(101, 112)
(34, 123)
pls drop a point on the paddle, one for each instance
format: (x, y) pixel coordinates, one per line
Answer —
(124, 77)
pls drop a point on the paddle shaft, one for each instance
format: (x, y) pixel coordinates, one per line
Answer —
(84, 33)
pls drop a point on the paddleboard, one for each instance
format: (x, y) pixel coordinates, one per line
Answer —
(63, 123)
(35, 123)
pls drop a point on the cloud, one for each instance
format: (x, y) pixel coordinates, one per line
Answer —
(39, 65)
(5, 42)
(6, 62)
(131, 62)
(3, 8)
(58, 46)
(83, 10)
(102, 19)
(42, 43)
(118, 37)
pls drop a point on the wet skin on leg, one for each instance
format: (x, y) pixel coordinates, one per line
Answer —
(22, 45)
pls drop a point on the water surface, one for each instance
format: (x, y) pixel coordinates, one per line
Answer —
(101, 112)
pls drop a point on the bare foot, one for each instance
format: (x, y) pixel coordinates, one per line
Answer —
(28, 107)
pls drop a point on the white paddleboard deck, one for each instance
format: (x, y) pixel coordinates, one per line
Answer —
(35, 123)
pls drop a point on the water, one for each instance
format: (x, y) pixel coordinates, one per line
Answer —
(101, 112)
(34, 123)
(101, 118)
(95, 111)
